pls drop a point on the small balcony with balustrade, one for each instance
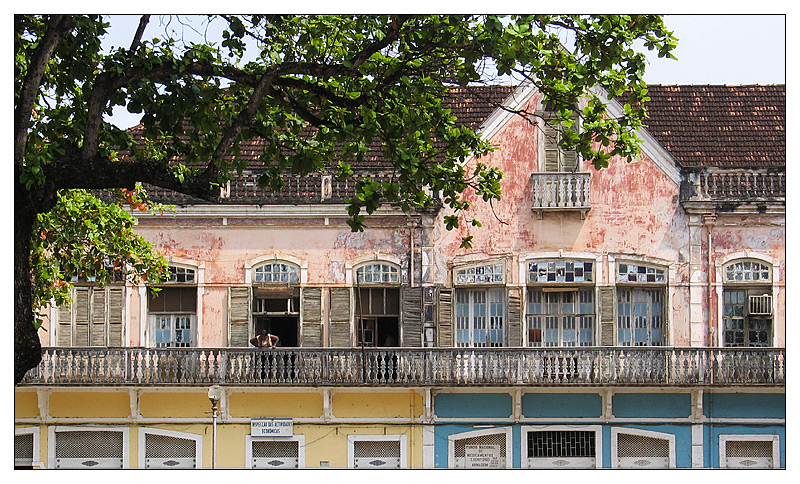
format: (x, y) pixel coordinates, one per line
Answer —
(738, 190)
(561, 192)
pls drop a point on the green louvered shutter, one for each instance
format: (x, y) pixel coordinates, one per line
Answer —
(116, 307)
(606, 310)
(514, 316)
(239, 300)
(411, 317)
(311, 311)
(445, 316)
(340, 317)
(80, 307)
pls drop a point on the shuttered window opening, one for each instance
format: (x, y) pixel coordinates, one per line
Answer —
(167, 452)
(640, 316)
(560, 318)
(172, 315)
(642, 452)
(93, 318)
(562, 449)
(746, 320)
(480, 316)
(489, 444)
(275, 454)
(380, 454)
(749, 454)
(23, 450)
(378, 314)
(556, 159)
(89, 449)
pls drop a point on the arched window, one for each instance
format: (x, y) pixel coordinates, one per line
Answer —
(378, 273)
(173, 310)
(747, 303)
(641, 295)
(377, 308)
(276, 271)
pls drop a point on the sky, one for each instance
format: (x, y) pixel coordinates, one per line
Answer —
(712, 49)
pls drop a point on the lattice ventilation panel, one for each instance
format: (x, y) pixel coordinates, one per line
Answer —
(629, 445)
(89, 444)
(491, 439)
(164, 446)
(23, 447)
(273, 448)
(751, 449)
(376, 454)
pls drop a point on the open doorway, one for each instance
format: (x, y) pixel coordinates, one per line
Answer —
(277, 311)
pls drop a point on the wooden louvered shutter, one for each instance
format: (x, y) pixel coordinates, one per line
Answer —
(239, 312)
(551, 149)
(514, 316)
(64, 326)
(340, 317)
(606, 310)
(311, 310)
(80, 307)
(97, 313)
(445, 328)
(116, 307)
(411, 317)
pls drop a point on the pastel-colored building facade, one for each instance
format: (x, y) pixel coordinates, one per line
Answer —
(631, 317)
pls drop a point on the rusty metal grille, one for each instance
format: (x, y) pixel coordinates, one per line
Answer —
(752, 449)
(89, 444)
(561, 443)
(491, 439)
(274, 449)
(630, 445)
(163, 447)
(376, 448)
(23, 447)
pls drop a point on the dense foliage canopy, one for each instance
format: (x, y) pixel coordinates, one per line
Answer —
(314, 88)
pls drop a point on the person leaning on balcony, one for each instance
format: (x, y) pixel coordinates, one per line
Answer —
(265, 340)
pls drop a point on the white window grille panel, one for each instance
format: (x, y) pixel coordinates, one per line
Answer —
(276, 272)
(480, 316)
(562, 449)
(376, 454)
(167, 452)
(275, 454)
(761, 305)
(749, 454)
(747, 271)
(89, 449)
(642, 452)
(378, 273)
(560, 271)
(560, 318)
(493, 273)
(460, 446)
(23, 449)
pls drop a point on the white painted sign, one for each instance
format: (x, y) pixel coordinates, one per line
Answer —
(478, 456)
(271, 427)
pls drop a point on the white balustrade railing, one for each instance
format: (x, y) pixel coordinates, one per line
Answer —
(411, 366)
(737, 185)
(568, 191)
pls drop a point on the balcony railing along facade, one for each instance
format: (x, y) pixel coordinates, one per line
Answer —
(411, 367)
(561, 191)
(736, 185)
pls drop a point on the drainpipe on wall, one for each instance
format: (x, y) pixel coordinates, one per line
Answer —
(709, 221)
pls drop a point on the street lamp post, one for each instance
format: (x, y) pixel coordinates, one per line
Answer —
(214, 394)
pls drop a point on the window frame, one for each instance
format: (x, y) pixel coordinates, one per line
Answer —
(301, 448)
(53, 430)
(197, 438)
(35, 456)
(751, 288)
(535, 286)
(403, 439)
(394, 269)
(616, 431)
(725, 438)
(292, 269)
(194, 316)
(641, 287)
(598, 445)
(471, 304)
(452, 438)
(547, 118)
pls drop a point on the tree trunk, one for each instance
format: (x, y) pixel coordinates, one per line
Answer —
(27, 348)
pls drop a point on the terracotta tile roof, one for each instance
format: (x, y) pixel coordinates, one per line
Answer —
(720, 126)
